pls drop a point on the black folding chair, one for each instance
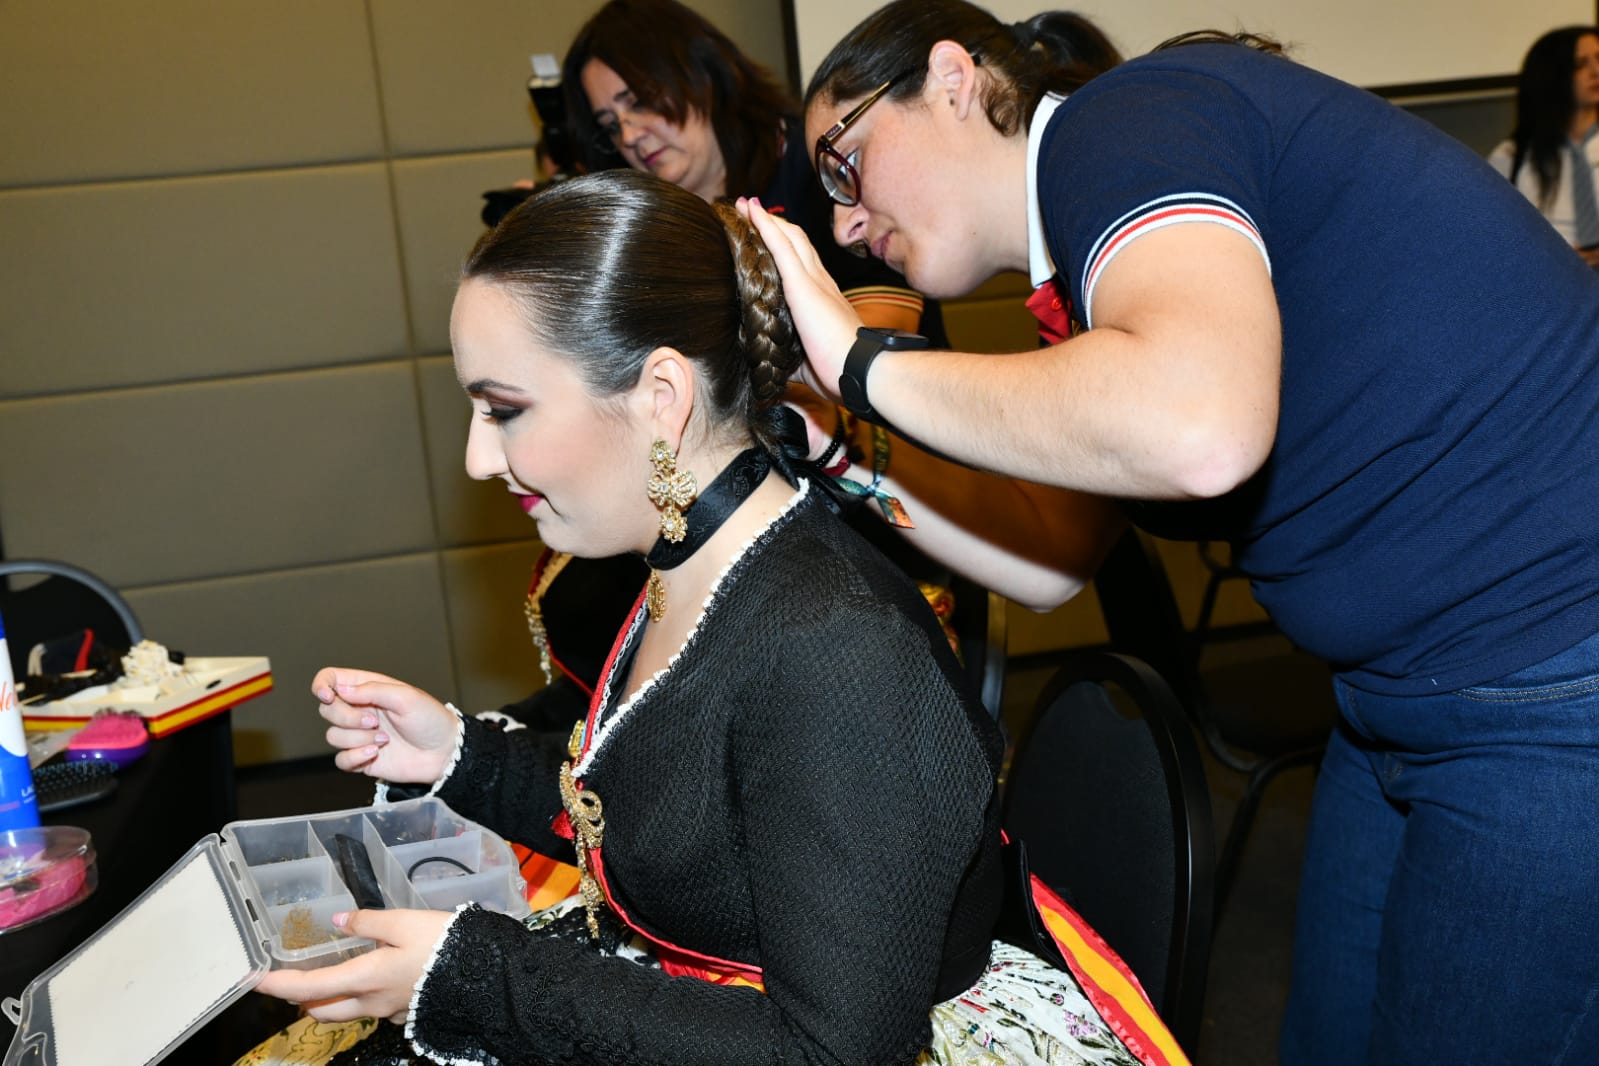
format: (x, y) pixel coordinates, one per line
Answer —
(67, 600)
(1258, 719)
(1107, 793)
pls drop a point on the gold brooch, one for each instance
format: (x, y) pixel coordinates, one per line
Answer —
(587, 815)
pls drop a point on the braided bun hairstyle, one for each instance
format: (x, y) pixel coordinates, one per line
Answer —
(767, 337)
(609, 267)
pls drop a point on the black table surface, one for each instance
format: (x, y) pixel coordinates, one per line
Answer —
(180, 791)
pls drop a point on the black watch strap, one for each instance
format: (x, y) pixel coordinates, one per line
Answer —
(869, 344)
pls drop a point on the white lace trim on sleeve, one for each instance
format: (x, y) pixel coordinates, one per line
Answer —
(416, 996)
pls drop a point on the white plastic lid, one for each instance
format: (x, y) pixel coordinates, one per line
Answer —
(145, 982)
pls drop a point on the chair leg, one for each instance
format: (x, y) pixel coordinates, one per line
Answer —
(1232, 850)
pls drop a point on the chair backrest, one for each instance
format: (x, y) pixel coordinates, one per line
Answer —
(1142, 618)
(1107, 792)
(68, 599)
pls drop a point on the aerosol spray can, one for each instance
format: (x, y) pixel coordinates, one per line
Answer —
(18, 808)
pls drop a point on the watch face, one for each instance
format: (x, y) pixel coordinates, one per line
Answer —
(896, 338)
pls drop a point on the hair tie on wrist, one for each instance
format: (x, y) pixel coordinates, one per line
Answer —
(834, 446)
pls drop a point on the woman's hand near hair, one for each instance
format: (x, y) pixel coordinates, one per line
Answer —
(826, 321)
(1035, 544)
(377, 984)
(385, 728)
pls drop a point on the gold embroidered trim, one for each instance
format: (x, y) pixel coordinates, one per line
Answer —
(533, 609)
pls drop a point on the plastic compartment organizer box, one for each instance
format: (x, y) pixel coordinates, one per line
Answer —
(260, 897)
(292, 880)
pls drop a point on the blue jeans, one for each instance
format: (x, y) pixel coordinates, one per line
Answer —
(1449, 906)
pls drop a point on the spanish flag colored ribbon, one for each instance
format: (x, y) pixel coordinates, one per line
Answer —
(1107, 982)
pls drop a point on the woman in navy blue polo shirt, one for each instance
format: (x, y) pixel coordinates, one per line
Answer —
(1377, 367)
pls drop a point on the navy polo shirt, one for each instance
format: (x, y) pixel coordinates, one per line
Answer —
(1428, 517)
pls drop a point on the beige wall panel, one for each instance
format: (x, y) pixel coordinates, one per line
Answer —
(1073, 624)
(385, 615)
(1003, 325)
(756, 26)
(145, 486)
(494, 656)
(993, 318)
(158, 281)
(439, 201)
(1004, 285)
(1080, 620)
(454, 76)
(1235, 605)
(468, 511)
(99, 89)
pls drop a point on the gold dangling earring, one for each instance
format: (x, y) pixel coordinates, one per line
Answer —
(671, 490)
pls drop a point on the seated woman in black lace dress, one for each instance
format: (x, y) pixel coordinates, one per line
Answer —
(783, 798)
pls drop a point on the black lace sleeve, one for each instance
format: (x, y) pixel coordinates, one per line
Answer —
(508, 783)
(501, 996)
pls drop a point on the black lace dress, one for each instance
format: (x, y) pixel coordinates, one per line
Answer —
(801, 807)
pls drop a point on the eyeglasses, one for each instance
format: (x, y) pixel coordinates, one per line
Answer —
(837, 172)
(607, 139)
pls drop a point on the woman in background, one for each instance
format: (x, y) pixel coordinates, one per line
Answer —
(1552, 154)
(654, 84)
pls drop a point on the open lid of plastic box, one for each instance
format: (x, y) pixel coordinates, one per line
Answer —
(260, 896)
(138, 987)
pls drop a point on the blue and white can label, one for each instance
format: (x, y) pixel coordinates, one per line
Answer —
(18, 807)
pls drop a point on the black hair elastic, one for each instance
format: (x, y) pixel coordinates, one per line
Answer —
(835, 445)
(463, 867)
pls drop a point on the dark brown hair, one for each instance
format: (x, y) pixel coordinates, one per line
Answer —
(1057, 51)
(676, 62)
(1545, 105)
(609, 267)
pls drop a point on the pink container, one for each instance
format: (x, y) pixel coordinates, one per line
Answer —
(43, 871)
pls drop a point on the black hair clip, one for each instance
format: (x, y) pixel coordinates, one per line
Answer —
(355, 866)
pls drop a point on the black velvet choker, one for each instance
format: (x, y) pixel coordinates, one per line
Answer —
(713, 507)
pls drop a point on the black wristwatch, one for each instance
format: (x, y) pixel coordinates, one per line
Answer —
(869, 344)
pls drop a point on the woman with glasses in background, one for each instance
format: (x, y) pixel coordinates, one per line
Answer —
(652, 84)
